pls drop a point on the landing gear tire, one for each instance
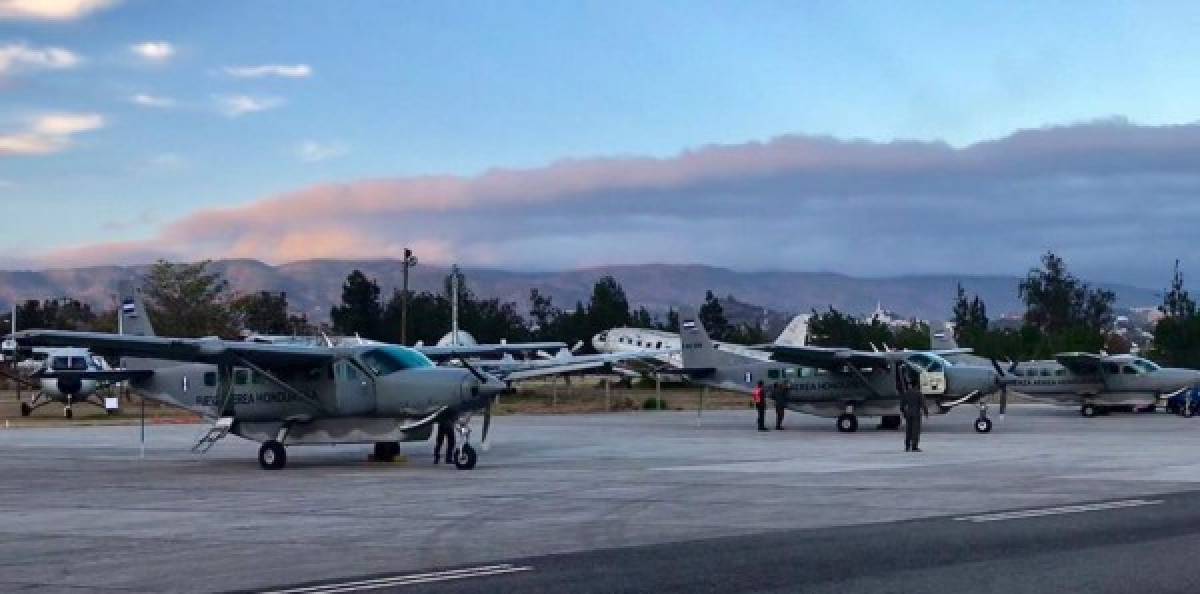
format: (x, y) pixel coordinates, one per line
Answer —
(465, 457)
(983, 425)
(1089, 410)
(386, 451)
(847, 423)
(67, 413)
(272, 455)
(26, 410)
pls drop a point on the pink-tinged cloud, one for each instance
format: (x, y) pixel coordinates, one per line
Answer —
(799, 202)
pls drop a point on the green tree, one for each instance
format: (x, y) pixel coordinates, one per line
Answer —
(360, 312)
(1177, 333)
(263, 312)
(836, 329)
(608, 308)
(672, 322)
(1067, 312)
(712, 315)
(188, 301)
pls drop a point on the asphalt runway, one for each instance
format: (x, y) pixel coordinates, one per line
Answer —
(645, 501)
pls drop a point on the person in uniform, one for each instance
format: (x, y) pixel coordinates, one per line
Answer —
(913, 407)
(760, 404)
(445, 434)
(780, 395)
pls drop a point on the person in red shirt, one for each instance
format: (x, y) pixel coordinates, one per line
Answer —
(760, 403)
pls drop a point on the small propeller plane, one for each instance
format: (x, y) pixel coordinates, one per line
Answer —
(66, 390)
(837, 382)
(282, 395)
(1095, 382)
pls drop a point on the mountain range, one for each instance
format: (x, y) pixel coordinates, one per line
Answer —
(313, 286)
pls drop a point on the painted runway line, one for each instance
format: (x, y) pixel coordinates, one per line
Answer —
(1054, 511)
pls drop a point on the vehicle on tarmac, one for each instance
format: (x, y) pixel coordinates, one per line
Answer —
(840, 382)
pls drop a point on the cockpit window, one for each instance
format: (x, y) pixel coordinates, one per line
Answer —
(929, 362)
(388, 360)
(68, 363)
(1146, 364)
(1128, 370)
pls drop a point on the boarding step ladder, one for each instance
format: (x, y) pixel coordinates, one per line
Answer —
(219, 429)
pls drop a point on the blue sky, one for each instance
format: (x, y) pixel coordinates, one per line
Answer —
(407, 89)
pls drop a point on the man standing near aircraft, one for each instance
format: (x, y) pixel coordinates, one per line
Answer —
(912, 406)
(780, 396)
(445, 434)
(760, 404)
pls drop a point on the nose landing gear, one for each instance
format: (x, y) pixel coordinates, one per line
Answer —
(465, 456)
(983, 424)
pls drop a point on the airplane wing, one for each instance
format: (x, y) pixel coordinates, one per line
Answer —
(522, 370)
(441, 353)
(1080, 363)
(833, 358)
(189, 350)
(105, 375)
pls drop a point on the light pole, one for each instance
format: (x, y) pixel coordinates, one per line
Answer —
(409, 261)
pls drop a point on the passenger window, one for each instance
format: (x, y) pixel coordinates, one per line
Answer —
(241, 377)
(658, 345)
(1128, 370)
(1045, 373)
(772, 374)
(210, 379)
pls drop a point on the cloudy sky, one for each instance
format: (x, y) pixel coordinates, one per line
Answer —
(871, 138)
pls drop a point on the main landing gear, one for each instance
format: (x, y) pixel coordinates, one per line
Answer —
(848, 421)
(272, 455)
(386, 451)
(1090, 410)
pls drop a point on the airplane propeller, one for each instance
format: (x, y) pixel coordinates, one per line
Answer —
(1002, 380)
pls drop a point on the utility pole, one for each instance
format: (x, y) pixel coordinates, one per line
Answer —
(409, 261)
(454, 305)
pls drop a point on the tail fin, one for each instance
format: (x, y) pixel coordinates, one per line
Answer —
(134, 321)
(699, 352)
(796, 332)
(944, 339)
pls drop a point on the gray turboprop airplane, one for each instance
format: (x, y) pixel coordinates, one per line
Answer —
(835, 382)
(1097, 383)
(282, 395)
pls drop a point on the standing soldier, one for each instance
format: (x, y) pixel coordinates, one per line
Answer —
(912, 406)
(445, 434)
(780, 396)
(760, 403)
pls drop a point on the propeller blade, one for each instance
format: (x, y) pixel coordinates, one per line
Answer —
(1003, 399)
(996, 366)
(487, 425)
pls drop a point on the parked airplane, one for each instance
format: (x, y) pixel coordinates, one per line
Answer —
(1095, 382)
(67, 390)
(283, 395)
(624, 339)
(836, 382)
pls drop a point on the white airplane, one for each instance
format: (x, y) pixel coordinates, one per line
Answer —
(68, 390)
(624, 339)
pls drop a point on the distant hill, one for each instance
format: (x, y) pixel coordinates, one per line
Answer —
(312, 286)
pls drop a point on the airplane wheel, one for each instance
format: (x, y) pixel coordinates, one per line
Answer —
(67, 413)
(465, 457)
(1089, 410)
(26, 410)
(847, 423)
(983, 425)
(386, 451)
(272, 455)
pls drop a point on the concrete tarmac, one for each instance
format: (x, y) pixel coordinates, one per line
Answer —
(79, 509)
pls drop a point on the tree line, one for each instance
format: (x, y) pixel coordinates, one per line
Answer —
(191, 300)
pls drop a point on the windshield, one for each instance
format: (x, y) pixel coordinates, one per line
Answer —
(388, 360)
(929, 362)
(1146, 364)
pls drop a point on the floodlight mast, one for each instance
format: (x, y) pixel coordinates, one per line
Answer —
(409, 261)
